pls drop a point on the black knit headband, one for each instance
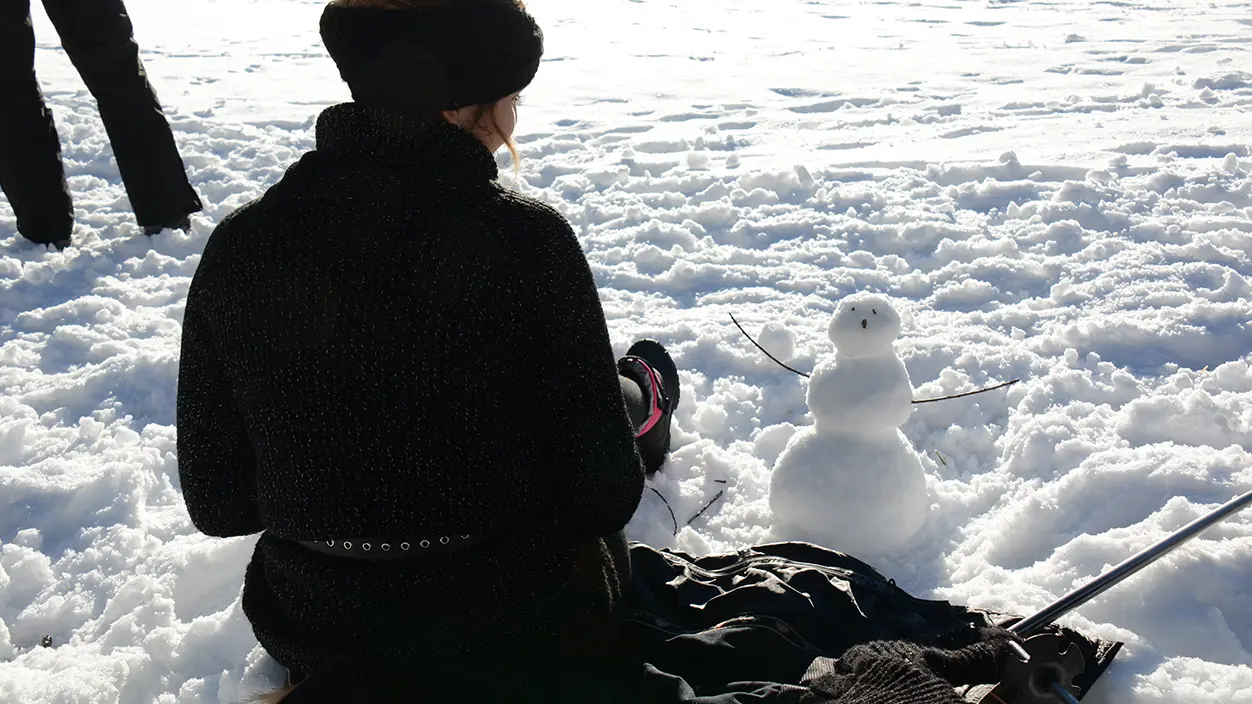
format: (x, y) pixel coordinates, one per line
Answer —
(433, 58)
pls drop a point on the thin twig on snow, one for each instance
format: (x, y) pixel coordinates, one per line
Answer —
(671, 510)
(706, 506)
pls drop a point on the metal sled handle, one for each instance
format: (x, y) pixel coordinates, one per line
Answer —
(1049, 614)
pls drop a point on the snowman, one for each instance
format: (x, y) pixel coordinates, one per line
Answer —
(852, 481)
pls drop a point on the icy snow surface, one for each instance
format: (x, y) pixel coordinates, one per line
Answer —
(1054, 191)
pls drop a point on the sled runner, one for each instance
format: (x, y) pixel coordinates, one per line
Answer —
(1049, 670)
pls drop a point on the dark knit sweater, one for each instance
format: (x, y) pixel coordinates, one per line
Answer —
(390, 344)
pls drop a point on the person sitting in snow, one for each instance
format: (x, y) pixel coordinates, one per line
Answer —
(399, 372)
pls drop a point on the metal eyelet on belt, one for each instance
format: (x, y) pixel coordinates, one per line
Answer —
(464, 537)
(365, 547)
(443, 540)
(404, 546)
(386, 547)
(347, 545)
(330, 543)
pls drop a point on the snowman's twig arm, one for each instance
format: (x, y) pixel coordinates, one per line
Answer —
(767, 354)
(968, 393)
(924, 400)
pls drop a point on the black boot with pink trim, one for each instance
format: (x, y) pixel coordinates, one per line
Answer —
(649, 365)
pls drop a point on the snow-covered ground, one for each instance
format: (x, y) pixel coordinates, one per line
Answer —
(1059, 192)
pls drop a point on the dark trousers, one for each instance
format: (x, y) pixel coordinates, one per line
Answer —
(636, 407)
(638, 412)
(99, 40)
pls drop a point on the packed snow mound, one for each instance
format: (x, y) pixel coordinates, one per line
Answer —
(852, 481)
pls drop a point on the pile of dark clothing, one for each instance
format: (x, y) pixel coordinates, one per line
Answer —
(788, 623)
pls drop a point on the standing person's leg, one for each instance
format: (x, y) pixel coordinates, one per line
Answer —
(31, 174)
(99, 39)
(649, 382)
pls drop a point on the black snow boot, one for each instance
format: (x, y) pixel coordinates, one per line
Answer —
(183, 223)
(649, 365)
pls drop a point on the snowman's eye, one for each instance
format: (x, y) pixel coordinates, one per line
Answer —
(874, 311)
(853, 307)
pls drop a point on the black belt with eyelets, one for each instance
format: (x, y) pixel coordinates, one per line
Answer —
(395, 549)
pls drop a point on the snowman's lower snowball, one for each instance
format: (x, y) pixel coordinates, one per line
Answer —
(863, 495)
(852, 481)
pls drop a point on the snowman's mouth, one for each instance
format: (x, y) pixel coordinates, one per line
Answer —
(864, 323)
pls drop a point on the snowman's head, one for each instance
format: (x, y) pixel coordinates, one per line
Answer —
(864, 325)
